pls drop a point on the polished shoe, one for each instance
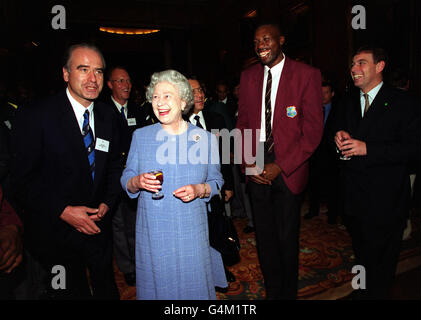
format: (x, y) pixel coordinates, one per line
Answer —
(310, 215)
(248, 229)
(221, 290)
(130, 279)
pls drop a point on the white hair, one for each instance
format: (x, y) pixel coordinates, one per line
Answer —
(177, 80)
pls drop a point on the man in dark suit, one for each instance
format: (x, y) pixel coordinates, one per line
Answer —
(208, 121)
(212, 121)
(324, 175)
(289, 94)
(66, 171)
(224, 104)
(130, 117)
(379, 129)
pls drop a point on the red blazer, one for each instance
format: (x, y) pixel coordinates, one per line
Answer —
(298, 117)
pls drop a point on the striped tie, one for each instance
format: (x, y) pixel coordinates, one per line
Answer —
(268, 115)
(88, 139)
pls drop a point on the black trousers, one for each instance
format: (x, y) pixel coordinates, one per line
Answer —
(276, 212)
(124, 225)
(376, 247)
(88, 265)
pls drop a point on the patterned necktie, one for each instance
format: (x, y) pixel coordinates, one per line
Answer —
(123, 116)
(268, 115)
(88, 139)
(198, 124)
(367, 103)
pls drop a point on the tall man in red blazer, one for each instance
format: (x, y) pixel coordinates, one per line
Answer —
(292, 101)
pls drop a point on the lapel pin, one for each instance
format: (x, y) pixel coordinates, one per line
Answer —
(196, 137)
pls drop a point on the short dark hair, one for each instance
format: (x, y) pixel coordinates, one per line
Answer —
(328, 84)
(110, 70)
(379, 54)
(274, 25)
(69, 52)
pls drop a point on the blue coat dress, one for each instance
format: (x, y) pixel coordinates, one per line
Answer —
(173, 257)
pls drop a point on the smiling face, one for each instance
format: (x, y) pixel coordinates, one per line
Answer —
(85, 76)
(167, 104)
(268, 45)
(365, 72)
(120, 85)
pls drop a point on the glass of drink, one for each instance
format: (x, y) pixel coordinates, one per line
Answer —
(159, 176)
(342, 157)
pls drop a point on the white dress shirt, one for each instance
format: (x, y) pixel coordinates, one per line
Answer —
(371, 96)
(79, 111)
(201, 120)
(276, 72)
(119, 106)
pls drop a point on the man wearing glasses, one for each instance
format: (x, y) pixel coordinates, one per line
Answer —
(131, 117)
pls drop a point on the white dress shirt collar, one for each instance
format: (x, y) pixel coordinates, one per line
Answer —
(371, 96)
(201, 120)
(119, 106)
(79, 111)
(276, 72)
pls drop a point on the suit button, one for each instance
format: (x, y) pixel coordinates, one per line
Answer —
(123, 153)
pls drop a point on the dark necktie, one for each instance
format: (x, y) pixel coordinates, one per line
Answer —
(367, 103)
(268, 115)
(198, 124)
(88, 139)
(123, 116)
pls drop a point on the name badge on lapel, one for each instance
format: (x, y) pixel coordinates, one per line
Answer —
(131, 122)
(102, 145)
(292, 112)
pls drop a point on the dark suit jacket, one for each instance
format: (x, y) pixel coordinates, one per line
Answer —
(297, 137)
(51, 171)
(377, 186)
(214, 120)
(224, 110)
(325, 157)
(126, 131)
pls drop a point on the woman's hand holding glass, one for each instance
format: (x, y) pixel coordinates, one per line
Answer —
(145, 181)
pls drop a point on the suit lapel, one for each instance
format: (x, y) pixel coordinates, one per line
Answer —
(72, 135)
(376, 110)
(100, 133)
(206, 119)
(258, 83)
(283, 87)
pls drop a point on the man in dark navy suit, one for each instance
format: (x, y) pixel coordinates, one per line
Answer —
(378, 128)
(130, 117)
(65, 174)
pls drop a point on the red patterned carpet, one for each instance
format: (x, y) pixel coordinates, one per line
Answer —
(326, 259)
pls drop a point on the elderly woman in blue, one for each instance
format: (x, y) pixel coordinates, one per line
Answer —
(173, 257)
